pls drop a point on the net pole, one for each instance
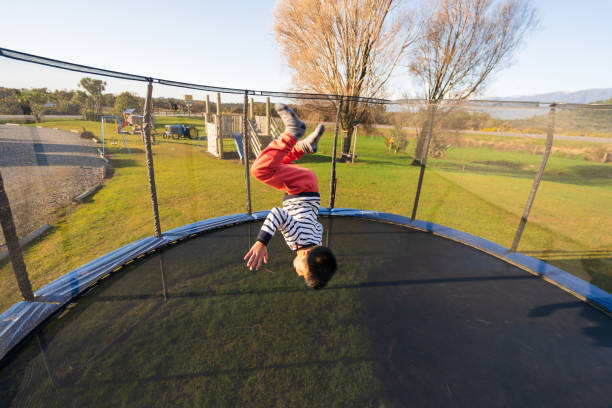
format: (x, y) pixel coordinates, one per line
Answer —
(431, 110)
(12, 242)
(538, 178)
(332, 184)
(245, 152)
(146, 129)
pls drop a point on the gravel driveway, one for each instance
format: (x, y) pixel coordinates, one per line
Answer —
(43, 169)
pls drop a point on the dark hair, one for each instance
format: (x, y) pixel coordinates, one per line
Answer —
(321, 265)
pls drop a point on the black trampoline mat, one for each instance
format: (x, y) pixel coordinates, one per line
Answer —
(410, 319)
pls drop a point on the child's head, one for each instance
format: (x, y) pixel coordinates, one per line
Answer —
(316, 264)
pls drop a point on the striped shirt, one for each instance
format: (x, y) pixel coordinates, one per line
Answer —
(297, 221)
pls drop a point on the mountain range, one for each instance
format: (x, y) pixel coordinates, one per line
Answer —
(584, 96)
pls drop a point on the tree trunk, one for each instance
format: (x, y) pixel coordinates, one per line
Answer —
(347, 137)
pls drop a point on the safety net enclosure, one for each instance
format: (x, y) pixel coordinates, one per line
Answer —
(125, 284)
(414, 318)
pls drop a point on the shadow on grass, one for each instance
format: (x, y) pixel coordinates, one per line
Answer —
(398, 162)
(124, 163)
(314, 158)
(182, 141)
(578, 175)
(122, 150)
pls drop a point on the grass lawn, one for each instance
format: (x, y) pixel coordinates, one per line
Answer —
(478, 190)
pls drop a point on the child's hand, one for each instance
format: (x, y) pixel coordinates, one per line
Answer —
(257, 254)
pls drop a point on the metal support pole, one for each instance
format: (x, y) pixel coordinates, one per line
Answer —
(332, 185)
(12, 242)
(245, 146)
(536, 182)
(146, 129)
(432, 109)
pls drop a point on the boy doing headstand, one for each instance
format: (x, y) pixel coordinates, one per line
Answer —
(297, 219)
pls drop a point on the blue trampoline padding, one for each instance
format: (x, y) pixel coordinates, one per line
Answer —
(19, 320)
(67, 286)
(564, 279)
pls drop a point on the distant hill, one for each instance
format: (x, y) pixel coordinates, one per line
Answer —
(584, 96)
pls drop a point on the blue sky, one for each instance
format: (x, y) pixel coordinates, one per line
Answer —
(231, 43)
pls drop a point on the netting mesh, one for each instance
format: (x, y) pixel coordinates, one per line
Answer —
(481, 162)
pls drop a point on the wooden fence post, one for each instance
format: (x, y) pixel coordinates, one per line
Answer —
(354, 145)
(219, 126)
(268, 129)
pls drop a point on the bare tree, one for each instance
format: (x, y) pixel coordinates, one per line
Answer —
(462, 42)
(342, 47)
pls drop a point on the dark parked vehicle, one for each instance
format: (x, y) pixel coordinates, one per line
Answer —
(178, 131)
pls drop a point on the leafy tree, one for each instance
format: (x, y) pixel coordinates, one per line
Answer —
(126, 100)
(85, 103)
(94, 87)
(9, 102)
(33, 101)
(108, 99)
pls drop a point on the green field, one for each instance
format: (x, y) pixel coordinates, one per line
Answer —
(479, 190)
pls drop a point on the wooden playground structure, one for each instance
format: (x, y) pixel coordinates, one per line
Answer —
(219, 126)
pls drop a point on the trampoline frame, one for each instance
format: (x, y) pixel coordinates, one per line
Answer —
(17, 322)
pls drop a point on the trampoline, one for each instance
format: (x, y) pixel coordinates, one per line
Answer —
(417, 315)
